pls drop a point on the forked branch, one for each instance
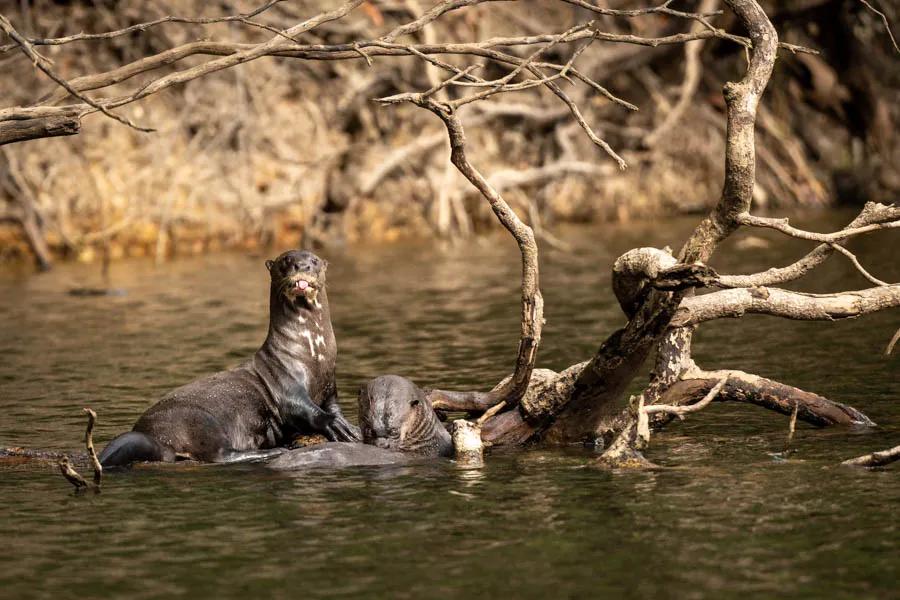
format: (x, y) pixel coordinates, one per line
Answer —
(68, 471)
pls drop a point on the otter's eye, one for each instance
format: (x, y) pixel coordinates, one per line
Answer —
(414, 403)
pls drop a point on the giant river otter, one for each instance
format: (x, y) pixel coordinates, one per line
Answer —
(287, 388)
(398, 426)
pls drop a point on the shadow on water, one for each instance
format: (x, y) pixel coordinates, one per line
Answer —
(725, 520)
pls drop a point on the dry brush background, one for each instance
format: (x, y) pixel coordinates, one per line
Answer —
(296, 152)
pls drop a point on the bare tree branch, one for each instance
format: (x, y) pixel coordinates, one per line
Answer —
(737, 302)
(741, 100)
(892, 343)
(766, 393)
(784, 227)
(243, 18)
(532, 301)
(681, 410)
(875, 459)
(43, 64)
(859, 267)
(692, 76)
(872, 213)
(887, 25)
(32, 129)
(89, 446)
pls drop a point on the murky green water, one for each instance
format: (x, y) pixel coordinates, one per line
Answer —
(726, 520)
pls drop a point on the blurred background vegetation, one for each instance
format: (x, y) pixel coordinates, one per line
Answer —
(295, 152)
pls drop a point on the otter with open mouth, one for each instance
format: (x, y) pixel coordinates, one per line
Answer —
(287, 388)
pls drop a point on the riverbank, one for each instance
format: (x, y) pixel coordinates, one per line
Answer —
(294, 152)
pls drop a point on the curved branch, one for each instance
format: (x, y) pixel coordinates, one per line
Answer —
(766, 393)
(679, 410)
(532, 301)
(784, 227)
(89, 446)
(786, 304)
(741, 100)
(855, 261)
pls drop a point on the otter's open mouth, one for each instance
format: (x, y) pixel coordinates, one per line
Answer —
(302, 286)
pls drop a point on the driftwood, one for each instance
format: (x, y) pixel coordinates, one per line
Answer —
(875, 459)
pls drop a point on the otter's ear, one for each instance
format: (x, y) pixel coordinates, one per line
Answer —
(269, 264)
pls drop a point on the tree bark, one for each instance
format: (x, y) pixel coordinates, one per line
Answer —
(786, 304)
(30, 129)
(875, 459)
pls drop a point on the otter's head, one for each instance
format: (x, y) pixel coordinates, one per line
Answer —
(394, 414)
(297, 276)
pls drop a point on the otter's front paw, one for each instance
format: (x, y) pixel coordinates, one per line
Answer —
(340, 430)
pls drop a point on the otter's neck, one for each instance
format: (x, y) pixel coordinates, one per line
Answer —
(291, 318)
(443, 438)
(429, 437)
(299, 335)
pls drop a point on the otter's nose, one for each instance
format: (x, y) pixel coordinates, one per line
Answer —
(302, 266)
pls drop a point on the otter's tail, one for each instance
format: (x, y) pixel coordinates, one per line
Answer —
(134, 447)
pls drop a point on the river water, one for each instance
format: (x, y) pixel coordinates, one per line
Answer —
(726, 518)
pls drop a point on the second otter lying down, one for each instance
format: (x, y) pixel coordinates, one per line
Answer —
(398, 426)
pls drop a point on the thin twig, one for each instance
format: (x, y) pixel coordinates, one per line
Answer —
(490, 413)
(234, 54)
(887, 25)
(89, 445)
(892, 343)
(872, 212)
(243, 18)
(680, 411)
(858, 266)
(791, 428)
